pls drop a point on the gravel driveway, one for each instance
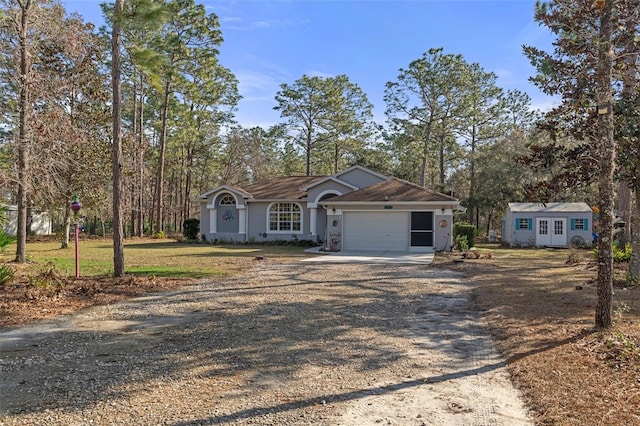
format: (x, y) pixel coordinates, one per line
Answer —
(282, 344)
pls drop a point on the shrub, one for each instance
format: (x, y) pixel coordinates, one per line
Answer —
(619, 255)
(159, 235)
(6, 274)
(461, 243)
(621, 348)
(191, 229)
(575, 256)
(5, 240)
(46, 277)
(467, 231)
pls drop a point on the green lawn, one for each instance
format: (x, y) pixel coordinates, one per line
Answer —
(163, 258)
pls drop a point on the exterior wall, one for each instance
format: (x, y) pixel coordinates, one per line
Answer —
(359, 178)
(223, 222)
(521, 237)
(328, 187)
(39, 222)
(258, 223)
(253, 217)
(527, 237)
(321, 225)
(204, 221)
(586, 235)
(314, 196)
(227, 219)
(443, 235)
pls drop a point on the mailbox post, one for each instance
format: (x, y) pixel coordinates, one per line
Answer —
(75, 207)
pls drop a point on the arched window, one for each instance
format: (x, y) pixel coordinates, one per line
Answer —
(227, 200)
(285, 217)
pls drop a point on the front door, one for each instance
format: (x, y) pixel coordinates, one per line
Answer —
(559, 232)
(551, 231)
(421, 231)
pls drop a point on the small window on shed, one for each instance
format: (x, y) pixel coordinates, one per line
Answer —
(227, 200)
(523, 223)
(579, 224)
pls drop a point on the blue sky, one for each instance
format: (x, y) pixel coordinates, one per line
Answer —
(268, 43)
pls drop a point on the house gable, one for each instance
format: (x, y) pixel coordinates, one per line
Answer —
(210, 197)
(360, 177)
(328, 187)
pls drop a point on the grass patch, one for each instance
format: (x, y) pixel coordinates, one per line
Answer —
(162, 258)
(173, 272)
(46, 286)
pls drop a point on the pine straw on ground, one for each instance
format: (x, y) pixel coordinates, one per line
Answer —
(540, 309)
(40, 292)
(31, 298)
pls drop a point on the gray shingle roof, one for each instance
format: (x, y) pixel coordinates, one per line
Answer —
(284, 188)
(393, 190)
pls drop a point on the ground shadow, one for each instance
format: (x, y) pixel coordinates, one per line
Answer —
(258, 327)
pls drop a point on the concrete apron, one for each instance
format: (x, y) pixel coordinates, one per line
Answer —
(373, 256)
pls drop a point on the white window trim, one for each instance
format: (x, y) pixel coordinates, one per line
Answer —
(520, 228)
(286, 232)
(225, 195)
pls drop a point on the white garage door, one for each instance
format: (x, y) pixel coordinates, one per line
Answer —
(375, 231)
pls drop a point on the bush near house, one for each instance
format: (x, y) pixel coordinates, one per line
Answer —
(464, 231)
(191, 228)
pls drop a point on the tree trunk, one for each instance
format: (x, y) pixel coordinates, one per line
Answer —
(66, 227)
(141, 140)
(631, 230)
(336, 155)
(472, 175)
(308, 149)
(624, 213)
(634, 262)
(118, 237)
(23, 135)
(425, 152)
(134, 131)
(163, 151)
(606, 157)
(441, 161)
(188, 185)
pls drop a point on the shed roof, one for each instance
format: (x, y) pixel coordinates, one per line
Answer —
(549, 207)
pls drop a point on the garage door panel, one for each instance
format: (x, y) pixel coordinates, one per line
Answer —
(376, 230)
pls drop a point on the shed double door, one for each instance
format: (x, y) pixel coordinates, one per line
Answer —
(551, 231)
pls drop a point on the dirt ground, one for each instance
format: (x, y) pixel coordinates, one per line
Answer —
(539, 307)
(283, 343)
